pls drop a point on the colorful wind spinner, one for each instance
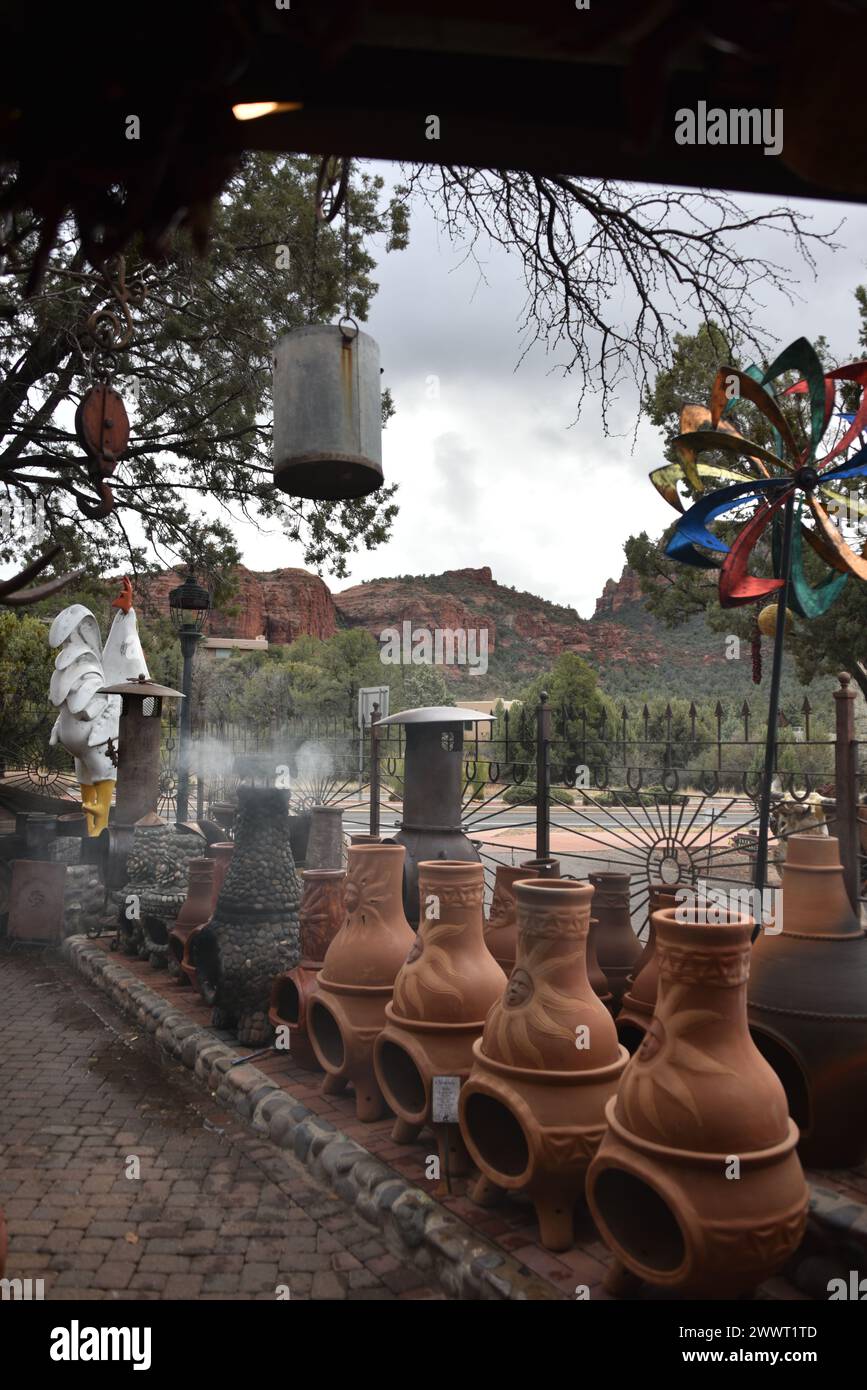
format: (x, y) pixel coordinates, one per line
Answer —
(791, 476)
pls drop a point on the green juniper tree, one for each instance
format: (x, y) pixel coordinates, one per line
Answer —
(196, 377)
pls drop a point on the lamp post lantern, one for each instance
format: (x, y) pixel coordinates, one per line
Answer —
(189, 605)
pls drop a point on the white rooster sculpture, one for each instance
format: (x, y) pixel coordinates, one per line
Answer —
(88, 720)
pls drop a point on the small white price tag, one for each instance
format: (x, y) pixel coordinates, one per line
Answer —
(446, 1091)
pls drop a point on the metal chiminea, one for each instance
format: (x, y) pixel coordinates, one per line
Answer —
(138, 769)
(432, 789)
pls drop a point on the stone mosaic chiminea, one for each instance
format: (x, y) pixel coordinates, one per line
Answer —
(157, 870)
(254, 933)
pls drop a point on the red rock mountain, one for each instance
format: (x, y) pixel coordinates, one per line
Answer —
(632, 652)
(278, 604)
(526, 634)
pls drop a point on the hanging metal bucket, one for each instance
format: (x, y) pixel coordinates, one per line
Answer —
(327, 413)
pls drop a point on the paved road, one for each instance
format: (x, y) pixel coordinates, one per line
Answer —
(216, 1213)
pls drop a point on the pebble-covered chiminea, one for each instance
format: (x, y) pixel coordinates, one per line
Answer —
(254, 933)
(432, 788)
(157, 867)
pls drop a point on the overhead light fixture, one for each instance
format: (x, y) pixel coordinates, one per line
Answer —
(252, 110)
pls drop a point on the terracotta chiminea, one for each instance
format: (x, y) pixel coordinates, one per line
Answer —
(220, 852)
(320, 917)
(808, 1005)
(696, 1186)
(196, 911)
(501, 932)
(346, 1012)
(532, 1111)
(617, 946)
(639, 1001)
(595, 973)
(442, 996)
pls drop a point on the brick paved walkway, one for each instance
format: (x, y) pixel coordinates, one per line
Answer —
(511, 1224)
(216, 1212)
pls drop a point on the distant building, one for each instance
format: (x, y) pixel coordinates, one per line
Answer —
(219, 648)
(487, 706)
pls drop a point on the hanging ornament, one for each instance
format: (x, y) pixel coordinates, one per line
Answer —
(101, 421)
(327, 406)
(767, 620)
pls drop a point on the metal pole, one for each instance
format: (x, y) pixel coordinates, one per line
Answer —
(761, 866)
(543, 778)
(374, 771)
(188, 638)
(846, 825)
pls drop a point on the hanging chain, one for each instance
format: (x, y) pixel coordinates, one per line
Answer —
(314, 260)
(332, 197)
(346, 246)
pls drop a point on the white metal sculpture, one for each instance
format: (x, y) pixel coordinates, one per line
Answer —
(87, 725)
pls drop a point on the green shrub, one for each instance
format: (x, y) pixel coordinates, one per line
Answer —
(622, 796)
(524, 794)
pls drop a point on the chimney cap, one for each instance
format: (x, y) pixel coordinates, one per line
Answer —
(144, 688)
(436, 714)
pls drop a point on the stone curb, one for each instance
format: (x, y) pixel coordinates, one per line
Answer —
(413, 1224)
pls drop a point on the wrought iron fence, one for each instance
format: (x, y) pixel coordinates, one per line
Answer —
(647, 795)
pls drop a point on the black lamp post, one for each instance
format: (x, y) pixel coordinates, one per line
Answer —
(189, 605)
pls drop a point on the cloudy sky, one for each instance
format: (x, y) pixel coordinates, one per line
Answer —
(494, 472)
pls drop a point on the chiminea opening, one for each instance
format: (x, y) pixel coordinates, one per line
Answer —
(176, 948)
(642, 1224)
(630, 1036)
(497, 1135)
(207, 963)
(156, 930)
(402, 1078)
(287, 1000)
(790, 1073)
(322, 1025)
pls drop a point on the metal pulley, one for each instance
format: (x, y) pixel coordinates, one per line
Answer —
(327, 413)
